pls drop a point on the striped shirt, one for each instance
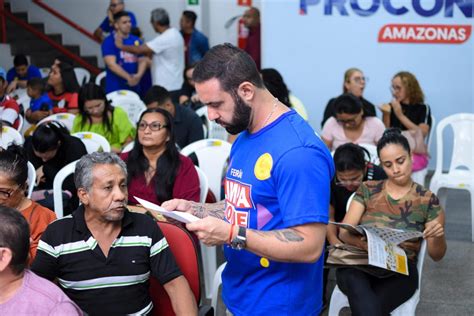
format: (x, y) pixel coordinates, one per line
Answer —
(116, 284)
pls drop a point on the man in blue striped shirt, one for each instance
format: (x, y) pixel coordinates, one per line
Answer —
(102, 255)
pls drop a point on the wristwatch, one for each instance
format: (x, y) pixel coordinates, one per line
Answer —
(240, 241)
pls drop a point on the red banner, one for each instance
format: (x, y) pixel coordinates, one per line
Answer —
(247, 3)
(425, 33)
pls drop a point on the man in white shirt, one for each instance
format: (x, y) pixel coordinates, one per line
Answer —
(167, 50)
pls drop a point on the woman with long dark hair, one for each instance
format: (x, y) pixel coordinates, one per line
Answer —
(13, 193)
(397, 203)
(49, 150)
(97, 115)
(157, 172)
(63, 89)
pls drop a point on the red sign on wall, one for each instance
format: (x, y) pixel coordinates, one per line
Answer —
(247, 3)
(424, 33)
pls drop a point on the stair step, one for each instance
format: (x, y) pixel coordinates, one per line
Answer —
(74, 49)
(21, 15)
(29, 46)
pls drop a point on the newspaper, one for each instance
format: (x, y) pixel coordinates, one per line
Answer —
(179, 216)
(382, 244)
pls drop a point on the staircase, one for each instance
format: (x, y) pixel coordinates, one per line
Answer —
(41, 53)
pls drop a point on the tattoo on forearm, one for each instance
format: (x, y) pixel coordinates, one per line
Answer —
(202, 210)
(284, 235)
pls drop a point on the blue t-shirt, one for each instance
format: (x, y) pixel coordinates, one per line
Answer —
(107, 28)
(43, 103)
(32, 72)
(128, 61)
(277, 178)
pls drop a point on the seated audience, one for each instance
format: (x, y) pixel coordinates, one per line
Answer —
(113, 252)
(14, 190)
(9, 108)
(49, 150)
(354, 83)
(351, 124)
(124, 70)
(39, 100)
(398, 203)
(107, 25)
(97, 115)
(277, 87)
(63, 88)
(187, 125)
(22, 291)
(408, 112)
(188, 95)
(196, 43)
(21, 72)
(157, 172)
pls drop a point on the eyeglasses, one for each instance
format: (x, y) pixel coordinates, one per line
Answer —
(4, 194)
(348, 121)
(360, 79)
(154, 126)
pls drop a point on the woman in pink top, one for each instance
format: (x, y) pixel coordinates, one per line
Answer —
(350, 125)
(157, 172)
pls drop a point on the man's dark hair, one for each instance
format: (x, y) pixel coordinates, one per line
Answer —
(15, 235)
(120, 14)
(230, 65)
(157, 94)
(20, 60)
(190, 15)
(36, 84)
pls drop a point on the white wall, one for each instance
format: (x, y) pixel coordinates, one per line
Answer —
(6, 59)
(312, 52)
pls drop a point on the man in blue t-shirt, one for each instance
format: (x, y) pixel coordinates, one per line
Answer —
(273, 220)
(107, 25)
(21, 72)
(124, 70)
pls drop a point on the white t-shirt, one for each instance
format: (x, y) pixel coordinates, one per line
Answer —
(168, 59)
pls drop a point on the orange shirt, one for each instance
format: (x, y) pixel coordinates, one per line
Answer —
(38, 217)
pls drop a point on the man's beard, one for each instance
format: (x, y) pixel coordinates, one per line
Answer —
(240, 119)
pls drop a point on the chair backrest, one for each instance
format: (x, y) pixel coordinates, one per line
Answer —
(122, 94)
(132, 106)
(372, 149)
(57, 187)
(21, 121)
(206, 123)
(93, 142)
(462, 155)
(82, 75)
(203, 184)
(44, 72)
(10, 136)
(349, 201)
(67, 119)
(128, 147)
(213, 129)
(99, 78)
(429, 140)
(31, 178)
(212, 155)
(184, 250)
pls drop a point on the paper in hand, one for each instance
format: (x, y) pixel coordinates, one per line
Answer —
(179, 216)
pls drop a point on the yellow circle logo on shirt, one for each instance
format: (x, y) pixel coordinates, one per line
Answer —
(136, 43)
(263, 166)
(264, 262)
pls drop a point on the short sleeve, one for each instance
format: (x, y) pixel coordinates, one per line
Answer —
(105, 26)
(11, 74)
(434, 208)
(303, 178)
(73, 102)
(108, 47)
(76, 124)
(33, 72)
(163, 263)
(45, 264)
(378, 129)
(328, 129)
(122, 126)
(156, 44)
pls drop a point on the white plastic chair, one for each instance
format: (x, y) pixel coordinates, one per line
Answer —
(121, 94)
(339, 300)
(216, 283)
(82, 75)
(132, 106)
(21, 121)
(372, 149)
(45, 72)
(57, 187)
(67, 119)
(10, 136)
(31, 178)
(349, 201)
(99, 78)
(128, 147)
(461, 169)
(212, 155)
(93, 142)
(203, 184)
(202, 113)
(420, 175)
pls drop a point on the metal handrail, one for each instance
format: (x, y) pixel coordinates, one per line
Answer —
(3, 25)
(48, 40)
(66, 20)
